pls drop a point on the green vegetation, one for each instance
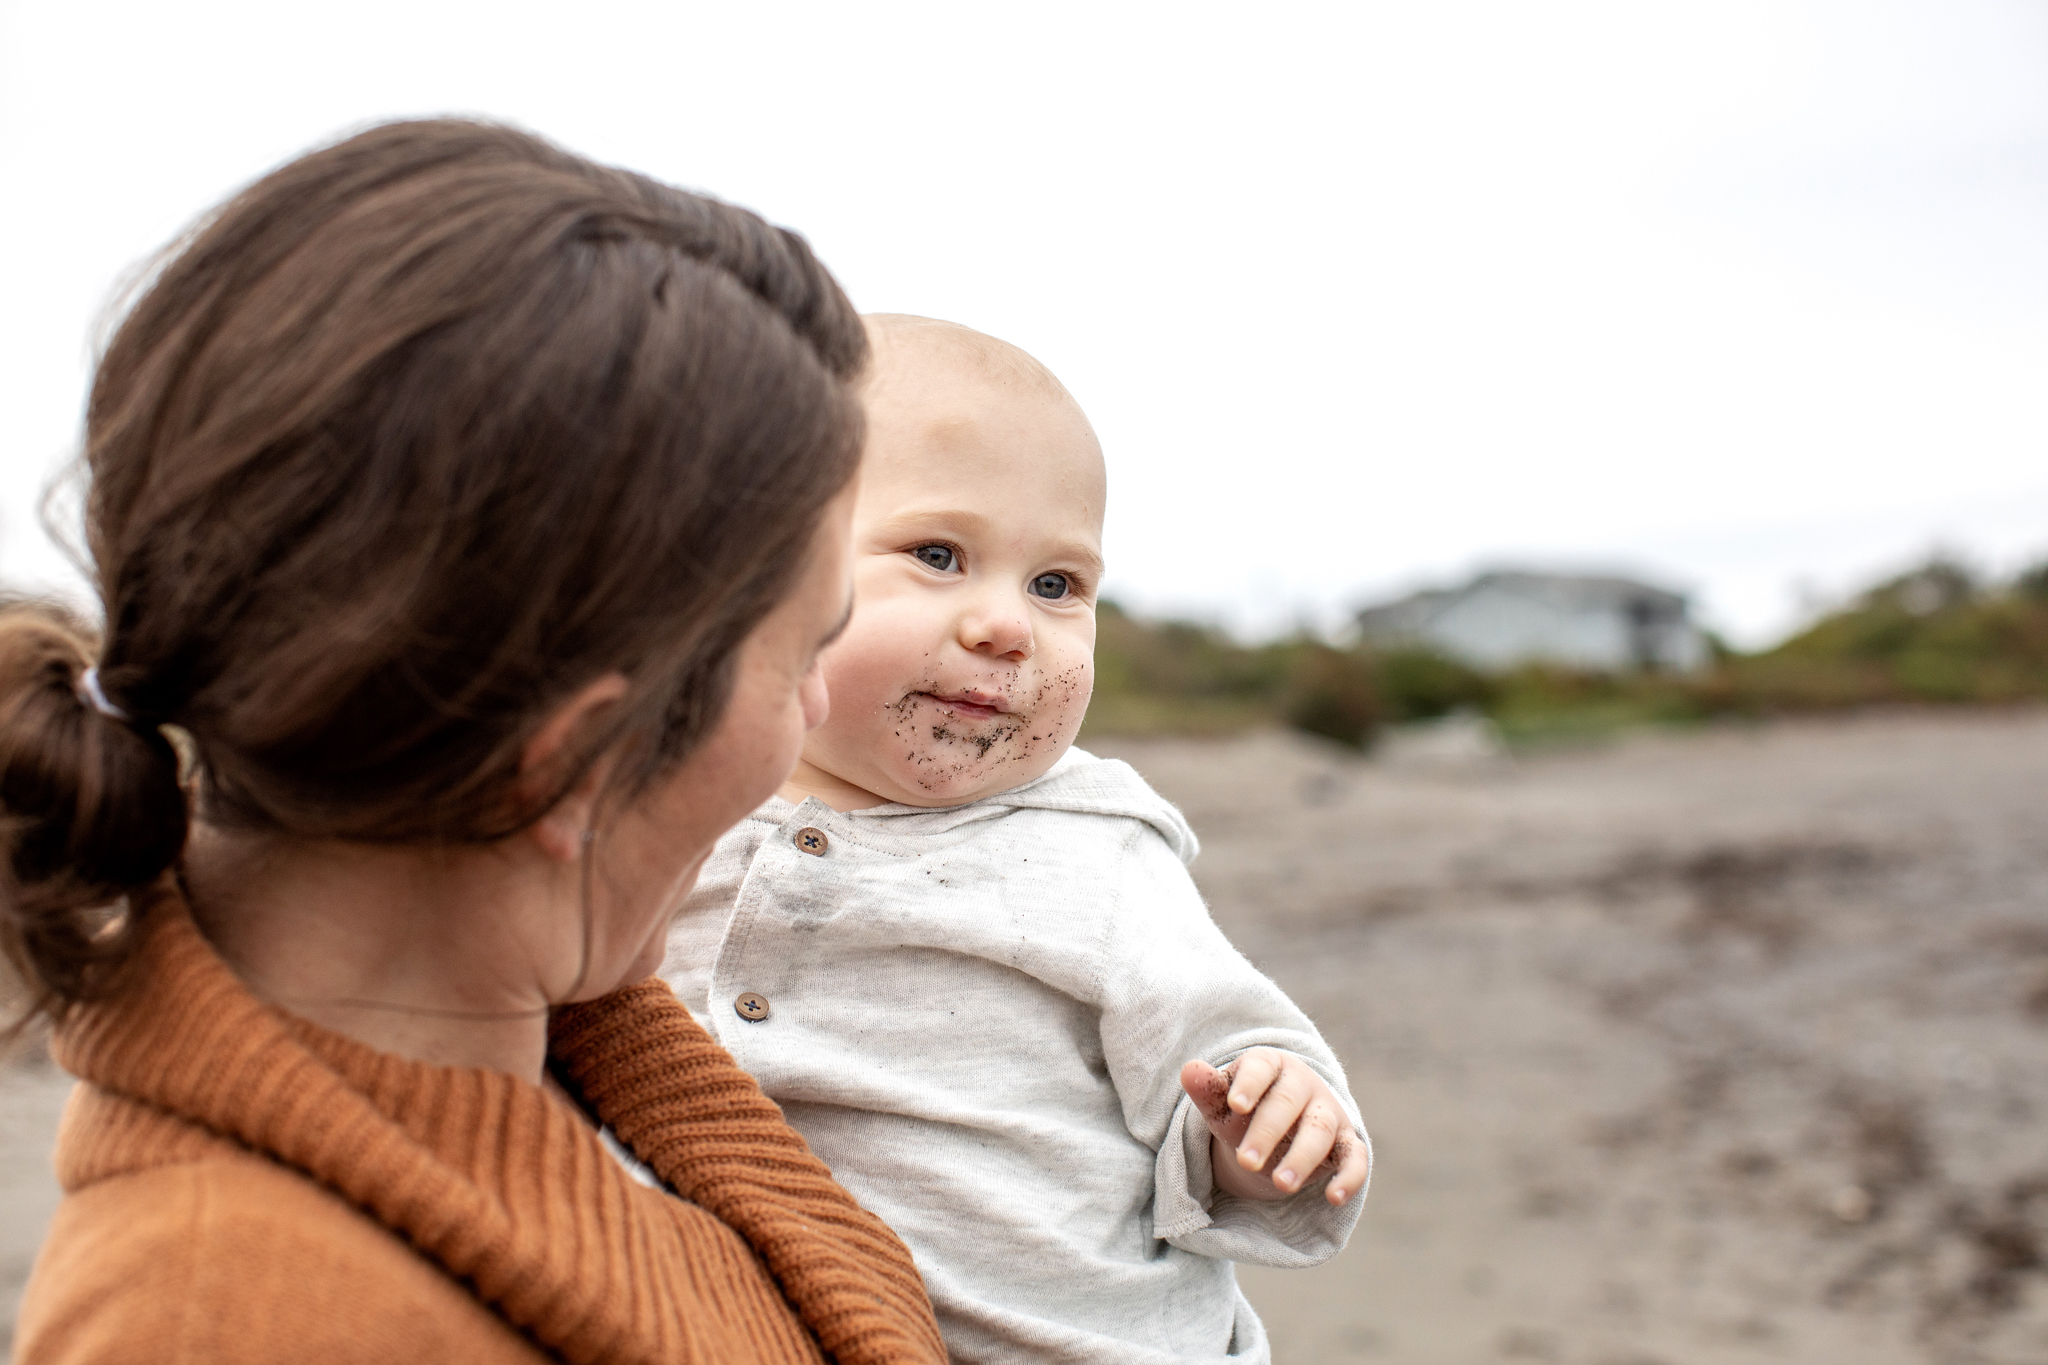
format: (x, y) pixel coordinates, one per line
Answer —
(1175, 677)
(1935, 635)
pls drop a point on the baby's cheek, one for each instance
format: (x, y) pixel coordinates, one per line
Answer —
(1064, 701)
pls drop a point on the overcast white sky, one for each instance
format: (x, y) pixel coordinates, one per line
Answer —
(1752, 298)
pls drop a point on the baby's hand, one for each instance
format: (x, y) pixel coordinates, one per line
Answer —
(1274, 1126)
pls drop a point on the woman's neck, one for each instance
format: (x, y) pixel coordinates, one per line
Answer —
(443, 955)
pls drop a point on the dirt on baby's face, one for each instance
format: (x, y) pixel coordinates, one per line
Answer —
(942, 748)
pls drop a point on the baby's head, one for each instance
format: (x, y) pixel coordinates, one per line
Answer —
(978, 551)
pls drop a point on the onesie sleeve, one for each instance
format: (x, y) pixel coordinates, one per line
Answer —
(1174, 990)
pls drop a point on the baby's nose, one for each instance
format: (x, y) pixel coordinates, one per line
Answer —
(1003, 634)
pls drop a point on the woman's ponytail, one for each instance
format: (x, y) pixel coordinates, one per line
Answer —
(91, 810)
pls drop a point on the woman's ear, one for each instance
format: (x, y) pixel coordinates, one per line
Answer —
(564, 831)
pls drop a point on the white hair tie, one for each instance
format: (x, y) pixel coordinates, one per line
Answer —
(89, 692)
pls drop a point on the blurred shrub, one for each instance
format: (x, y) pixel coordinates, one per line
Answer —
(1331, 692)
(1938, 584)
(1420, 684)
(1177, 677)
(1176, 659)
(1932, 635)
(1541, 703)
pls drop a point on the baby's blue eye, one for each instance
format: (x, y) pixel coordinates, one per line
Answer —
(940, 557)
(1051, 586)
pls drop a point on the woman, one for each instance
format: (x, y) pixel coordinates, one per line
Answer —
(471, 516)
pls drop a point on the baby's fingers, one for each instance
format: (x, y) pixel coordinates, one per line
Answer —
(1354, 1164)
(1282, 1104)
(1252, 1075)
(1313, 1138)
(1210, 1090)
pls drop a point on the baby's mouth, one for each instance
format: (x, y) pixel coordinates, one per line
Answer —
(972, 704)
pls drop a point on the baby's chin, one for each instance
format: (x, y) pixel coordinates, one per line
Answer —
(941, 779)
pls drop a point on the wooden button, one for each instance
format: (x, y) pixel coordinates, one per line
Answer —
(751, 1007)
(810, 839)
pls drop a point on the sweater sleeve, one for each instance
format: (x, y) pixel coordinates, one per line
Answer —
(1175, 990)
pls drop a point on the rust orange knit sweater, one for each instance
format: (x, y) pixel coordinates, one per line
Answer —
(241, 1186)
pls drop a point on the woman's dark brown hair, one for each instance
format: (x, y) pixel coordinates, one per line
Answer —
(405, 444)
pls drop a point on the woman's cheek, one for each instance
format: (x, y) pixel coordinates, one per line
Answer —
(814, 698)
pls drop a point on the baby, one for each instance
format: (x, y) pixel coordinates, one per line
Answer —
(967, 959)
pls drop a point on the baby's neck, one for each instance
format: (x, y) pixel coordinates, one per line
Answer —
(810, 780)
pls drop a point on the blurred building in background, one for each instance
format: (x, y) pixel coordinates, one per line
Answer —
(1502, 619)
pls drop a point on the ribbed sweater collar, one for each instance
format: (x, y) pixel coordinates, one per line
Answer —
(502, 1185)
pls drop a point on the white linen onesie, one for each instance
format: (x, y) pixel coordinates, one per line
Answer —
(977, 1017)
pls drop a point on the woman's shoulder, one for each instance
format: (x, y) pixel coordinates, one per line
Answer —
(219, 1254)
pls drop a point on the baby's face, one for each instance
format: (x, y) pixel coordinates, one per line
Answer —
(977, 555)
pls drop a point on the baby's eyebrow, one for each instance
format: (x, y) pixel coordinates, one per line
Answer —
(1084, 558)
(944, 520)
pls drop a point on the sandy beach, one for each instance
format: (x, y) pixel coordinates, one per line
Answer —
(1715, 1047)
(1719, 1046)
